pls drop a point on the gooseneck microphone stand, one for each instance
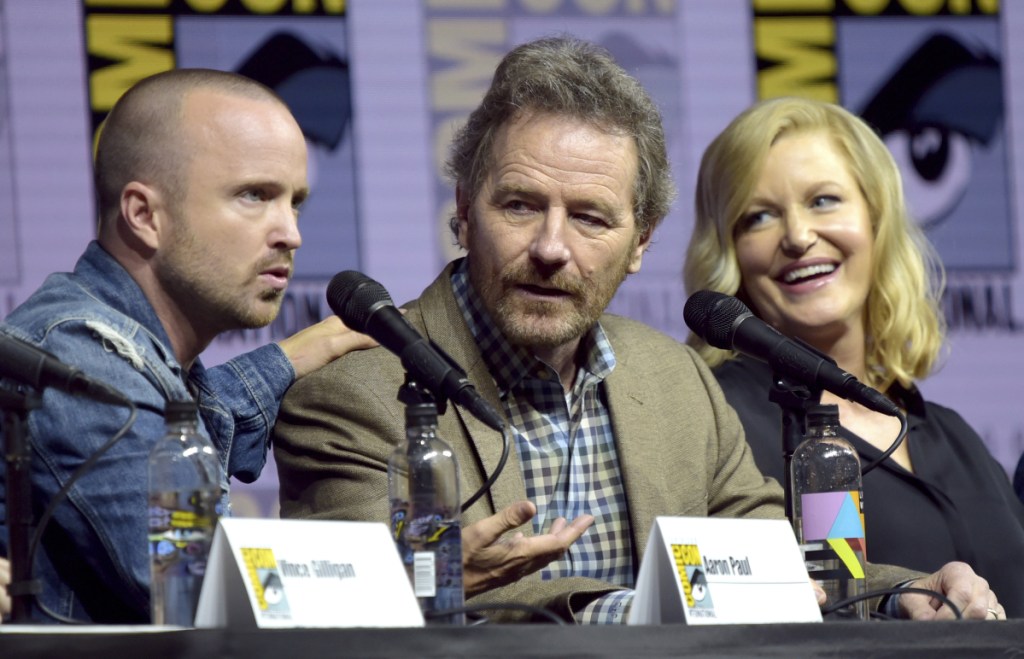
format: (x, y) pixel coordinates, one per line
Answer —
(18, 454)
(795, 399)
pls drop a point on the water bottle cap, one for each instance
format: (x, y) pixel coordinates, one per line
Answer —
(180, 410)
(424, 414)
(820, 415)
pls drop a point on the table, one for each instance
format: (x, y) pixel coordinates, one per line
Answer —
(832, 639)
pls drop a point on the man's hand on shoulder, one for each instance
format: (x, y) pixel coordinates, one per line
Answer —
(965, 589)
(490, 561)
(322, 343)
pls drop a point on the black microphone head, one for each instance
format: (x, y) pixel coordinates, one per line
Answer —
(712, 316)
(353, 297)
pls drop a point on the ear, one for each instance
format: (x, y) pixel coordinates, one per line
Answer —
(143, 213)
(462, 203)
(637, 257)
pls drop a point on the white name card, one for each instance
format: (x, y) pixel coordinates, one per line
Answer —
(304, 573)
(715, 571)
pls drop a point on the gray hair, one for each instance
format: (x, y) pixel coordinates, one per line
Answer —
(570, 77)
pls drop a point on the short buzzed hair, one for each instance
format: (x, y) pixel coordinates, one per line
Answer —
(141, 138)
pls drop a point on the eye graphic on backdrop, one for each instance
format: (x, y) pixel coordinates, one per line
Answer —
(943, 102)
(935, 163)
(313, 80)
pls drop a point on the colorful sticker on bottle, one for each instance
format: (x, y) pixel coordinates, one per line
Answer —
(827, 515)
(838, 519)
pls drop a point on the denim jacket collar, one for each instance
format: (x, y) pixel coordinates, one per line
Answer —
(106, 280)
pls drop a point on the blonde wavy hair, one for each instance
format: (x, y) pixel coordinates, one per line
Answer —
(904, 327)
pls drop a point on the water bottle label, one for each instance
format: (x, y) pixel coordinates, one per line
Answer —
(180, 532)
(431, 548)
(447, 548)
(181, 527)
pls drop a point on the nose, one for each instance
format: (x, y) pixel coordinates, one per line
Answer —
(285, 231)
(549, 245)
(800, 235)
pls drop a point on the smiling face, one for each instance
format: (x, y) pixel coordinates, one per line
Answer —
(551, 234)
(233, 234)
(805, 242)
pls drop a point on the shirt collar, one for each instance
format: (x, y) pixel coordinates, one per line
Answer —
(910, 399)
(510, 364)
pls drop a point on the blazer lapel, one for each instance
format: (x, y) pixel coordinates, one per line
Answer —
(639, 469)
(660, 470)
(445, 326)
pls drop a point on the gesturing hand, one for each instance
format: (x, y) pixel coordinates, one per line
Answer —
(490, 560)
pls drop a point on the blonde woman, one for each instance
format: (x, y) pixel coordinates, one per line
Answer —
(800, 214)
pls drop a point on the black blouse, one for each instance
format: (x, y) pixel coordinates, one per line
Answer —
(958, 505)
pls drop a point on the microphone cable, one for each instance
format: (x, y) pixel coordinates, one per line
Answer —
(899, 590)
(892, 447)
(506, 432)
(61, 495)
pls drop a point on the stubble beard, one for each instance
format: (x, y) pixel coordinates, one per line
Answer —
(538, 324)
(190, 275)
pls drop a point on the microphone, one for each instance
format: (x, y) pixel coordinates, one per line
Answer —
(39, 369)
(366, 307)
(725, 322)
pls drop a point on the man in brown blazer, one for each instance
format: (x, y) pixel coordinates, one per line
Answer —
(562, 177)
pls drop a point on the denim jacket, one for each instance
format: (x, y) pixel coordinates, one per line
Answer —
(93, 564)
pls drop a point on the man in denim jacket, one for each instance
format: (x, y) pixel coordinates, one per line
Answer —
(200, 175)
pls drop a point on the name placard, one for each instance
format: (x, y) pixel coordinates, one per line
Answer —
(303, 573)
(714, 571)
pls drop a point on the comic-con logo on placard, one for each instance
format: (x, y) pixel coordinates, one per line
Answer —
(693, 579)
(928, 78)
(265, 578)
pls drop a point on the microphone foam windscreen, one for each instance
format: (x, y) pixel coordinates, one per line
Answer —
(353, 296)
(712, 315)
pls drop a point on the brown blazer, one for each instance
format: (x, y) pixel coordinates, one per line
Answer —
(681, 447)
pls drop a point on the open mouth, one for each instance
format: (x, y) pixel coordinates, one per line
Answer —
(808, 273)
(541, 291)
(276, 277)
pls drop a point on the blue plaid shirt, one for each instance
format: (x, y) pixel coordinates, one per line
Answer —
(567, 451)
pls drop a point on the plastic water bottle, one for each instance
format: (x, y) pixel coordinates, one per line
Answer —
(828, 505)
(423, 486)
(184, 497)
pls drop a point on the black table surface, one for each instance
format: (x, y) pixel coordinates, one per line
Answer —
(831, 639)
